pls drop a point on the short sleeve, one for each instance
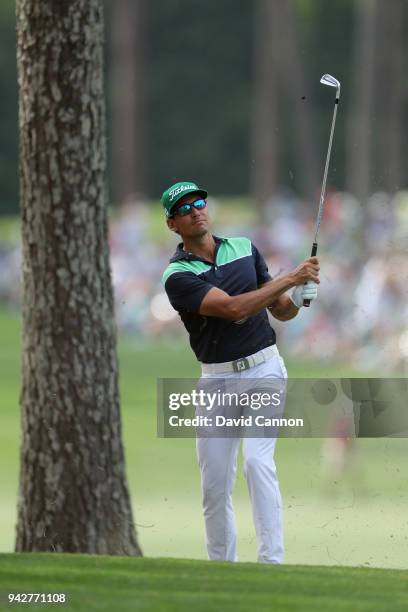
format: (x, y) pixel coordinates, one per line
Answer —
(186, 291)
(262, 273)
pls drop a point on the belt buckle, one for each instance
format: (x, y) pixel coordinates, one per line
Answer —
(240, 364)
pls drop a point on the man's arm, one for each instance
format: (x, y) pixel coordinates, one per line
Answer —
(283, 308)
(218, 303)
(286, 307)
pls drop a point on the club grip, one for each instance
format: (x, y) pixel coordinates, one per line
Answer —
(306, 303)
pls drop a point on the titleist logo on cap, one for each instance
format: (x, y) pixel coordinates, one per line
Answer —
(175, 192)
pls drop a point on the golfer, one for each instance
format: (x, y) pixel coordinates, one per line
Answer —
(221, 289)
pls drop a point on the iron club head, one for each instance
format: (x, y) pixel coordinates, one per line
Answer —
(328, 79)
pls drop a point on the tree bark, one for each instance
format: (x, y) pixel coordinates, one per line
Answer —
(73, 493)
(128, 142)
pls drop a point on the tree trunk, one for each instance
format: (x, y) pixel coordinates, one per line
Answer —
(293, 78)
(128, 150)
(264, 125)
(73, 493)
(389, 99)
(359, 139)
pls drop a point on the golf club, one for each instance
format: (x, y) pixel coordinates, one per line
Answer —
(329, 80)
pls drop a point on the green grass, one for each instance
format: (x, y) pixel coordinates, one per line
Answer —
(363, 522)
(10, 229)
(117, 583)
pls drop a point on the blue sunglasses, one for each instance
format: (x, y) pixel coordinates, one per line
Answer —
(185, 209)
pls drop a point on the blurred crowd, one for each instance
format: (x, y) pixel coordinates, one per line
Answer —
(360, 316)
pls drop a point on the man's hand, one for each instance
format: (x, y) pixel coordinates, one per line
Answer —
(306, 279)
(307, 291)
(308, 270)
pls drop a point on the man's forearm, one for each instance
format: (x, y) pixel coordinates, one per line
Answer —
(218, 303)
(283, 309)
(252, 302)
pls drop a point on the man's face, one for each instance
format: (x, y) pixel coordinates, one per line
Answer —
(193, 225)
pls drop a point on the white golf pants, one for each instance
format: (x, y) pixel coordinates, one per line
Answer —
(217, 458)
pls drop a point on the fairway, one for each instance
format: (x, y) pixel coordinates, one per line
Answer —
(363, 523)
(117, 583)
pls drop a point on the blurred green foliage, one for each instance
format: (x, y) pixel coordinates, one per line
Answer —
(198, 92)
(8, 105)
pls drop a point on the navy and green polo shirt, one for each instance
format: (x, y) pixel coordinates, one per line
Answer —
(238, 268)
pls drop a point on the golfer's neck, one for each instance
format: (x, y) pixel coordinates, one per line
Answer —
(202, 246)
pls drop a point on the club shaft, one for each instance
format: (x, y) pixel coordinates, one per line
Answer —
(326, 169)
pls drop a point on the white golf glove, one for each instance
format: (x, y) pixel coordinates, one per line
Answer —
(308, 291)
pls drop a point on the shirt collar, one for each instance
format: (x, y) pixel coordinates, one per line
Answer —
(180, 254)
